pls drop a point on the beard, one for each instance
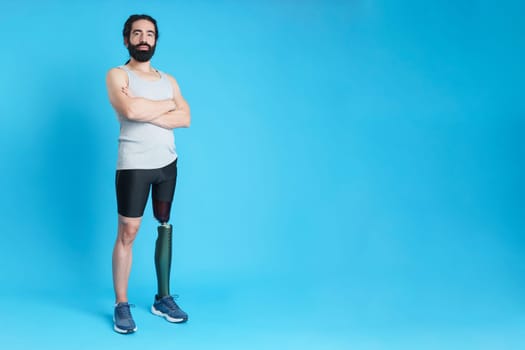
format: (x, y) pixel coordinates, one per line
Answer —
(140, 55)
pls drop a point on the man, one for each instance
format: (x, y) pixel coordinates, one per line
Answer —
(149, 105)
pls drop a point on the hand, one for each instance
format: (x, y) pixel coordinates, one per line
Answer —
(125, 91)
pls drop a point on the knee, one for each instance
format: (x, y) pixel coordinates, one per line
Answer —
(127, 233)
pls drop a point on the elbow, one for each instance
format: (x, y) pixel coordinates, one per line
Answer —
(187, 121)
(131, 113)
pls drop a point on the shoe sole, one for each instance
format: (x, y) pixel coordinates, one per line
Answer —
(123, 331)
(167, 317)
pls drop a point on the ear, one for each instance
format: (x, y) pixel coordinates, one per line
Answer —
(126, 42)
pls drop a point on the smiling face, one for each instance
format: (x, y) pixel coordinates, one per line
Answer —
(141, 42)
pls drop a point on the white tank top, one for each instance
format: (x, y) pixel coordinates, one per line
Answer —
(144, 145)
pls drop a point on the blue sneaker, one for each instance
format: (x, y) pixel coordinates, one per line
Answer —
(167, 307)
(122, 319)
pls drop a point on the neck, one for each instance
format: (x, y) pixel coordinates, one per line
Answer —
(139, 66)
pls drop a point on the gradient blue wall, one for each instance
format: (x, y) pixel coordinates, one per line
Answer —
(365, 156)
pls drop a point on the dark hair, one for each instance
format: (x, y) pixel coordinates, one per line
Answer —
(133, 18)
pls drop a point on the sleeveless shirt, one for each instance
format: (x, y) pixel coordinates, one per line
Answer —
(143, 145)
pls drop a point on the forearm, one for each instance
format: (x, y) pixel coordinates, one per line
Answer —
(179, 118)
(144, 110)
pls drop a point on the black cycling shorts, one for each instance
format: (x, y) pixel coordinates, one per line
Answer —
(132, 186)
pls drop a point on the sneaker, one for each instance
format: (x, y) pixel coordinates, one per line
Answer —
(167, 307)
(122, 319)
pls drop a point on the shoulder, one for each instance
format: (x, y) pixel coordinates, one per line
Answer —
(116, 72)
(117, 75)
(164, 74)
(171, 79)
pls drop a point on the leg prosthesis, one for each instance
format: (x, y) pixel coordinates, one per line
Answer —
(163, 259)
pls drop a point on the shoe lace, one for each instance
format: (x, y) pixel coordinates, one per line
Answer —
(124, 310)
(170, 302)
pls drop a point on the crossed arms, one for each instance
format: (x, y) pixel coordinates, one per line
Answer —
(168, 114)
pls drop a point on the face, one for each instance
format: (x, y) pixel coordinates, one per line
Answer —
(141, 42)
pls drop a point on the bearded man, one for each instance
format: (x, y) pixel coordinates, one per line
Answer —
(149, 105)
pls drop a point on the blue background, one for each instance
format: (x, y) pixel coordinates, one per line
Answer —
(353, 175)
